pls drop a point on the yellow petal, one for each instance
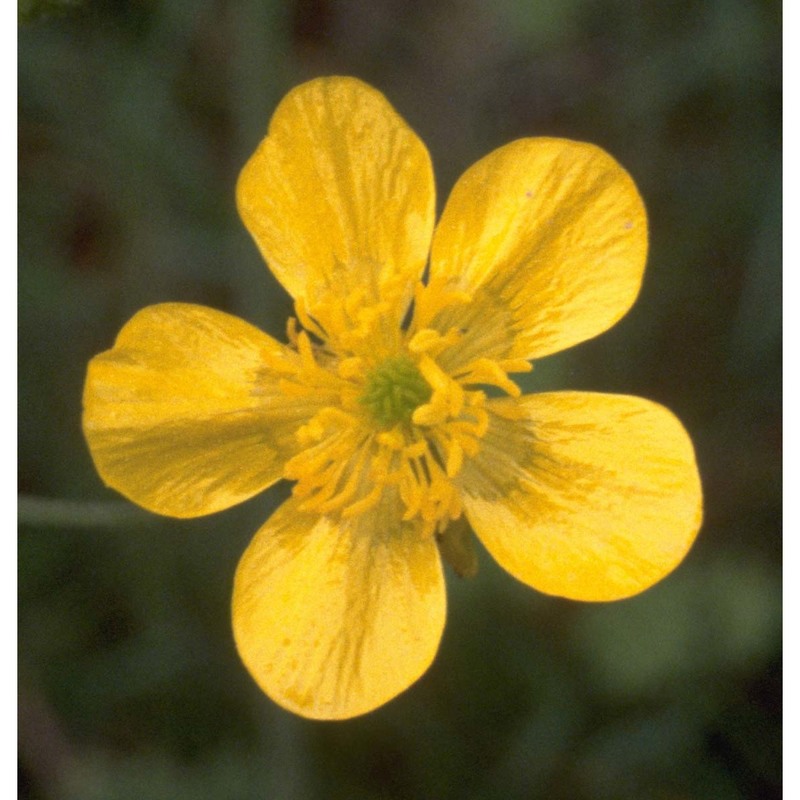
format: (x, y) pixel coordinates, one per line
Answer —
(587, 496)
(340, 193)
(550, 238)
(182, 415)
(335, 619)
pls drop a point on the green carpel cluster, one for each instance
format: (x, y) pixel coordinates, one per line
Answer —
(393, 390)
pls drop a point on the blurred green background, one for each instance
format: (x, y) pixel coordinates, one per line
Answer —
(135, 117)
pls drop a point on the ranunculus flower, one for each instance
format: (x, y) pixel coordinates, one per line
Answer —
(377, 406)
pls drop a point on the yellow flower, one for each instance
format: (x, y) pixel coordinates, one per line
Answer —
(391, 405)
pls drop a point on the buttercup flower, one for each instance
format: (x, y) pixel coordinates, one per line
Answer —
(391, 405)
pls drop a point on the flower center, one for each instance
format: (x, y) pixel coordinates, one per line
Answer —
(386, 424)
(393, 390)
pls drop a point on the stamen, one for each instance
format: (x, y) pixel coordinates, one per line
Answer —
(447, 394)
(488, 372)
(310, 324)
(432, 342)
(430, 299)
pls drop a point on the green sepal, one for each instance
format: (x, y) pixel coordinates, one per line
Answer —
(457, 547)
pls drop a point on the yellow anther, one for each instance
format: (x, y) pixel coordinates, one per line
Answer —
(431, 341)
(310, 324)
(312, 431)
(431, 299)
(481, 424)
(419, 448)
(486, 371)
(429, 414)
(455, 458)
(282, 362)
(364, 504)
(411, 495)
(446, 392)
(392, 439)
(515, 365)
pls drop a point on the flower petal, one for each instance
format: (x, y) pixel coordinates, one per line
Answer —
(340, 194)
(587, 496)
(549, 236)
(182, 415)
(333, 619)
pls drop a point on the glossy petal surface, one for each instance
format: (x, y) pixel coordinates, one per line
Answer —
(588, 496)
(549, 236)
(182, 415)
(339, 196)
(335, 619)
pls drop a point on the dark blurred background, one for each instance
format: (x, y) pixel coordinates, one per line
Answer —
(134, 120)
